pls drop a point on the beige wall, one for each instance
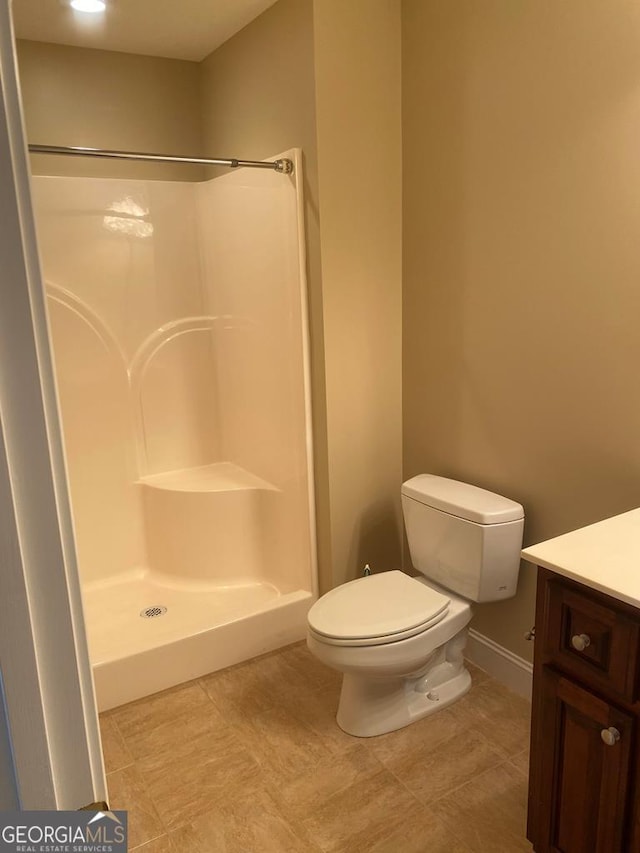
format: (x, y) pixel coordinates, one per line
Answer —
(522, 272)
(357, 46)
(101, 99)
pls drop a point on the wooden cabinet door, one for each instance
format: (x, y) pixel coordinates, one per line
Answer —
(582, 796)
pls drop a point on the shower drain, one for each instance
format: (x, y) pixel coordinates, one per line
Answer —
(150, 612)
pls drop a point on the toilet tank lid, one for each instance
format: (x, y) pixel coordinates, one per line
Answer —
(462, 500)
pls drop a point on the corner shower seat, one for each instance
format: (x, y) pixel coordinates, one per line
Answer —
(207, 524)
(217, 477)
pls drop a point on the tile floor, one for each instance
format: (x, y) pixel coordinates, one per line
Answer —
(251, 760)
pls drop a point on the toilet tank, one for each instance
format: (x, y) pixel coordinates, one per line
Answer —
(464, 538)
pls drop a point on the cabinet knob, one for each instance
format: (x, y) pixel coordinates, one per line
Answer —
(610, 736)
(580, 641)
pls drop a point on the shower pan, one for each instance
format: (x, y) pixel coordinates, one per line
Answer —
(178, 320)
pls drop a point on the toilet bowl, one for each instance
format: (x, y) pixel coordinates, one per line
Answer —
(392, 679)
(399, 640)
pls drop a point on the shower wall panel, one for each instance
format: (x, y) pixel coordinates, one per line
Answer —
(127, 249)
(120, 260)
(94, 397)
(253, 263)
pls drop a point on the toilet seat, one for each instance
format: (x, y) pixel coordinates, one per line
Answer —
(375, 610)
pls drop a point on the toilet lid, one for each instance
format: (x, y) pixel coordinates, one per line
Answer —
(383, 605)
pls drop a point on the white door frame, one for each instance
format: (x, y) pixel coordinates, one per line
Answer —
(50, 702)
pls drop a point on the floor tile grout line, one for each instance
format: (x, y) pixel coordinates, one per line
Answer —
(522, 752)
(120, 769)
(524, 773)
(443, 819)
(151, 799)
(114, 722)
(295, 831)
(475, 778)
(148, 841)
(453, 790)
(496, 747)
(460, 840)
(210, 698)
(404, 785)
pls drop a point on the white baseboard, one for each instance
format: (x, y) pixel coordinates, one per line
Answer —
(511, 670)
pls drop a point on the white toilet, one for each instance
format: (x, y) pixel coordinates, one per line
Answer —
(398, 639)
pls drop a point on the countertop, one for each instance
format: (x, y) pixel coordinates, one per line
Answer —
(604, 556)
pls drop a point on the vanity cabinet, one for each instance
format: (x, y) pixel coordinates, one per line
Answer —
(584, 789)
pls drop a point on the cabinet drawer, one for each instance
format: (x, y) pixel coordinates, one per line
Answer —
(592, 640)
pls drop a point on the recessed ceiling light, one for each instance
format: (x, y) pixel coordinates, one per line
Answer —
(88, 5)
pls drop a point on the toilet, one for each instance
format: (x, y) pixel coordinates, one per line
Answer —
(399, 640)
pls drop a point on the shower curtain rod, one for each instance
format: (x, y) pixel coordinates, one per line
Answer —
(284, 166)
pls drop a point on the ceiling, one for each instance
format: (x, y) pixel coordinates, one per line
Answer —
(179, 29)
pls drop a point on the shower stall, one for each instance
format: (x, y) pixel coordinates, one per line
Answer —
(178, 320)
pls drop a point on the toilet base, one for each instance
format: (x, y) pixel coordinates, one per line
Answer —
(372, 706)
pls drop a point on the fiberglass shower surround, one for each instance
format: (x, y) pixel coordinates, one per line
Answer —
(178, 320)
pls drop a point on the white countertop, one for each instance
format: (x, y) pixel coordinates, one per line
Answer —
(604, 556)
